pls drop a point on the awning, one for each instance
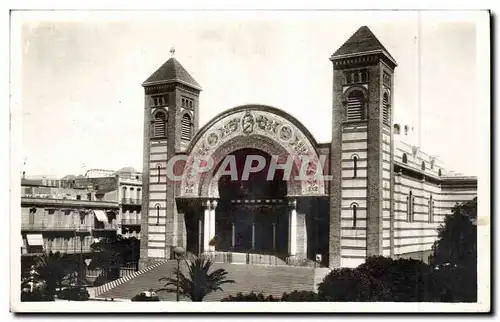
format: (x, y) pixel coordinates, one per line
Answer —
(35, 239)
(101, 216)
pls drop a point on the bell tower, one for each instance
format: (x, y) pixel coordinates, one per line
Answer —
(361, 150)
(171, 117)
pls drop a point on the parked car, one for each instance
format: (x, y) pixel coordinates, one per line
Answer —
(146, 296)
(75, 293)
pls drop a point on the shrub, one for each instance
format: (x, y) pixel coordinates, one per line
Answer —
(351, 285)
(406, 279)
(453, 284)
(300, 296)
(74, 294)
(250, 297)
(38, 295)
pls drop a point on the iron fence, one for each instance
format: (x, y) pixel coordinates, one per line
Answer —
(272, 259)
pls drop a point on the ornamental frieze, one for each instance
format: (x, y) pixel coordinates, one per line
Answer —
(248, 123)
(267, 124)
(229, 128)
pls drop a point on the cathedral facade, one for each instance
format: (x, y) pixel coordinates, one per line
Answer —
(376, 195)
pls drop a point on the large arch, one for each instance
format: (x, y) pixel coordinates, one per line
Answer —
(252, 126)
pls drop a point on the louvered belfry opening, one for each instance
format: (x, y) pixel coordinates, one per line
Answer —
(186, 127)
(355, 110)
(385, 109)
(160, 123)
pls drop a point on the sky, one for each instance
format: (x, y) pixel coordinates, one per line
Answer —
(82, 102)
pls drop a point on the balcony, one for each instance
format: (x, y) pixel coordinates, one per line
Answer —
(69, 249)
(76, 228)
(51, 227)
(131, 221)
(39, 201)
(131, 201)
(105, 226)
(30, 252)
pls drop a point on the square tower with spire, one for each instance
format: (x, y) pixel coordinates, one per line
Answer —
(361, 150)
(171, 118)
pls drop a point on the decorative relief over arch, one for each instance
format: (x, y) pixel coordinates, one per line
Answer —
(248, 123)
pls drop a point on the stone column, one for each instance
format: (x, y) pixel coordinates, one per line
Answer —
(274, 236)
(212, 224)
(206, 226)
(253, 235)
(292, 228)
(233, 235)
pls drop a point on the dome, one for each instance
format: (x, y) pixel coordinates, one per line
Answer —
(127, 170)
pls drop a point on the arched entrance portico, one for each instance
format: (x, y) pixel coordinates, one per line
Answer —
(258, 214)
(251, 215)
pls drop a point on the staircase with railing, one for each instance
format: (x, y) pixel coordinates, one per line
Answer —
(270, 279)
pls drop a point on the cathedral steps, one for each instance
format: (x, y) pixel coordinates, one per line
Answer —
(268, 279)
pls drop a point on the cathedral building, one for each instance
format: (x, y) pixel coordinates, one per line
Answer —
(383, 196)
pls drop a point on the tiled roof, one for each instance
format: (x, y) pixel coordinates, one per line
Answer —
(363, 40)
(172, 70)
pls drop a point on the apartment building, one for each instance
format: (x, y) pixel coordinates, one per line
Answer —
(69, 214)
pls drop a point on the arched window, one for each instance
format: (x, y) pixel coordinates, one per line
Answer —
(405, 158)
(409, 207)
(396, 129)
(364, 76)
(354, 207)
(348, 78)
(160, 124)
(158, 172)
(406, 129)
(124, 189)
(413, 209)
(439, 172)
(186, 132)
(423, 165)
(385, 109)
(355, 108)
(431, 209)
(356, 77)
(355, 166)
(157, 206)
(139, 194)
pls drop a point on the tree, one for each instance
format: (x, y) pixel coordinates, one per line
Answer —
(111, 252)
(53, 269)
(198, 282)
(457, 237)
(455, 255)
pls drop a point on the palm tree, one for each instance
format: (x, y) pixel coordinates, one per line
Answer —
(52, 269)
(199, 282)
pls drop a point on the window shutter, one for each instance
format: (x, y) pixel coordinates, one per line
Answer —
(355, 106)
(159, 125)
(385, 109)
(186, 127)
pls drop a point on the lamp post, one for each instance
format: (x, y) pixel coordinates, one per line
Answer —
(80, 275)
(178, 252)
